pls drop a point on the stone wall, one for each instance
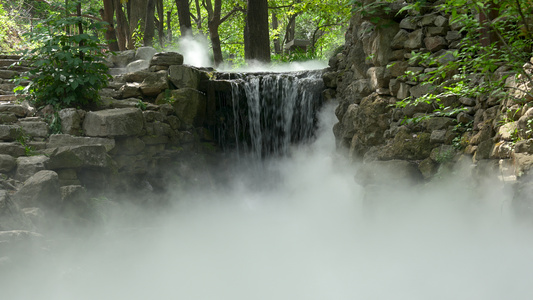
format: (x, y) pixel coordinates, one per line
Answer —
(151, 132)
(367, 80)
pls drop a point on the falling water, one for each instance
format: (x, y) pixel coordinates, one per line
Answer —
(280, 109)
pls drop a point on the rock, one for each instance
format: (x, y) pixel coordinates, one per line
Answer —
(484, 150)
(166, 59)
(29, 165)
(8, 118)
(154, 84)
(399, 39)
(444, 56)
(438, 136)
(441, 21)
(40, 190)
(60, 140)
(397, 68)
(453, 36)
(130, 90)
(34, 128)
(185, 76)
(433, 31)
(9, 132)
(420, 90)
(137, 65)
(14, 149)
(522, 163)
(379, 78)
(403, 91)
(428, 168)
(74, 198)
(467, 101)
(407, 146)
(435, 43)
(71, 120)
(129, 146)
(113, 122)
(121, 59)
(137, 76)
(145, 53)
(464, 118)
(90, 156)
(189, 105)
(19, 110)
(11, 217)
(437, 123)
(409, 23)
(414, 40)
(502, 150)
(7, 163)
(524, 146)
(525, 125)
(443, 154)
(427, 20)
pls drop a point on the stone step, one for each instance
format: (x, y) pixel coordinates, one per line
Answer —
(10, 98)
(7, 62)
(10, 56)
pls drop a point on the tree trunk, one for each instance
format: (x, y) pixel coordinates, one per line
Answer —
(107, 15)
(149, 26)
(160, 25)
(123, 34)
(198, 18)
(137, 15)
(257, 43)
(169, 28)
(184, 16)
(275, 25)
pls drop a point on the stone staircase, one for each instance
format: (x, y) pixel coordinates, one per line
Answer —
(8, 71)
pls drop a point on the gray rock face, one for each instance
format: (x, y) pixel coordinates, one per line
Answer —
(61, 140)
(414, 40)
(137, 65)
(11, 217)
(29, 165)
(184, 76)
(435, 43)
(9, 132)
(154, 84)
(189, 105)
(167, 59)
(113, 122)
(121, 59)
(34, 128)
(14, 149)
(130, 90)
(145, 53)
(40, 190)
(7, 163)
(92, 156)
(71, 121)
(18, 110)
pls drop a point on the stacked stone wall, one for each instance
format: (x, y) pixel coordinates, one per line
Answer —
(368, 79)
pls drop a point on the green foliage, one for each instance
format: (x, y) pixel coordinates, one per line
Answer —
(67, 70)
(23, 138)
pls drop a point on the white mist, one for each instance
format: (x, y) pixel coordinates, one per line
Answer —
(302, 231)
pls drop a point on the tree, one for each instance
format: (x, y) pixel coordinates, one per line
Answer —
(256, 35)
(149, 26)
(184, 16)
(107, 15)
(214, 21)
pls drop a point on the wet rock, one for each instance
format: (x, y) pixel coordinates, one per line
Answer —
(90, 156)
(154, 84)
(11, 217)
(189, 105)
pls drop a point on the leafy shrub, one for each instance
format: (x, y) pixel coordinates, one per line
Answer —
(67, 70)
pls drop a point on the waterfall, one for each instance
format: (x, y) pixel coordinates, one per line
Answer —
(272, 111)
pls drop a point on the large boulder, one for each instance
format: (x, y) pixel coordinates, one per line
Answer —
(121, 59)
(190, 106)
(166, 59)
(91, 156)
(145, 53)
(40, 190)
(11, 217)
(184, 76)
(154, 84)
(113, 122)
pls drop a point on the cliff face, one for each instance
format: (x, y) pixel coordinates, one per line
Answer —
(368, 78)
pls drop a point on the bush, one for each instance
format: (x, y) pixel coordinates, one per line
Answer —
(67, 70)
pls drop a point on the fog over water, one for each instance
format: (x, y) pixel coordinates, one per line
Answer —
(298, 230)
